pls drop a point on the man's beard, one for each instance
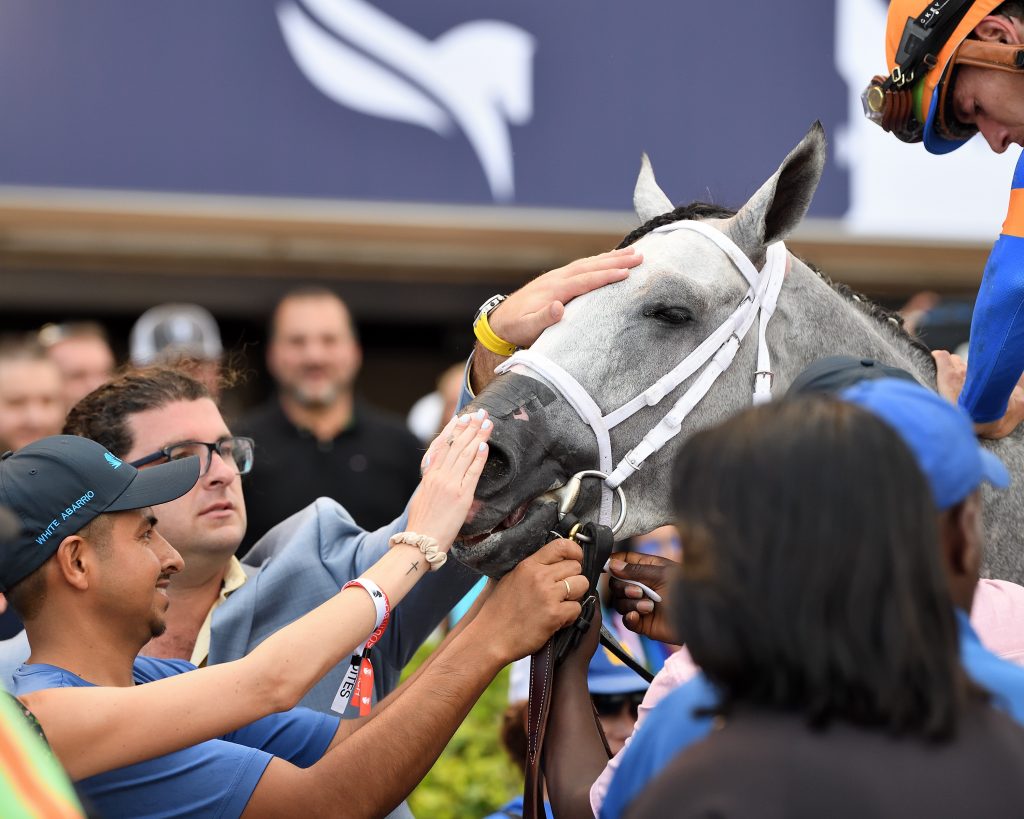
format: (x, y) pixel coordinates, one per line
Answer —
(157, 626)
(323, 399)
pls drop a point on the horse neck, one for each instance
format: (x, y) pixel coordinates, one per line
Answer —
(818, 321)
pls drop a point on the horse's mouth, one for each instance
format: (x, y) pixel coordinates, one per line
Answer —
(517, 516)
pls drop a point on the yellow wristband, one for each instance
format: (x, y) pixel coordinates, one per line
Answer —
(491, 340)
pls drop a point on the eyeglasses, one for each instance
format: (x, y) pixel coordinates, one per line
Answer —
(611, 705)
(237, 452)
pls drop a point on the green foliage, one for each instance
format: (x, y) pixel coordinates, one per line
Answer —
(474, 776)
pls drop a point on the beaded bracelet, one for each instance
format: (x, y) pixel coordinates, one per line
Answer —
(426, 544)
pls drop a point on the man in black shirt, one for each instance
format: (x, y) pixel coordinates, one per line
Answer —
(315, 438)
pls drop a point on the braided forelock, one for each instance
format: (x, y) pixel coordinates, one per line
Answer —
(695, 211)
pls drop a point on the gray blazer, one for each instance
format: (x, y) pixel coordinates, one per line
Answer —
(302, 562)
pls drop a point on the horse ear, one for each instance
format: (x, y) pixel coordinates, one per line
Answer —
(648, 199)
(781, 202)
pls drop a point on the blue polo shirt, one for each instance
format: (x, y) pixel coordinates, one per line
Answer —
(211, 779)
(673, 725)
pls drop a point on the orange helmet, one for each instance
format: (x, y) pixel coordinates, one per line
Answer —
(924, 42)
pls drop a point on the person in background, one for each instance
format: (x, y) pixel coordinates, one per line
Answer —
(615, 691)
(185, 336)
(82, 353)
(328, 441)
(819, 610)
(31, 407)
(432, 411)
(31, 393)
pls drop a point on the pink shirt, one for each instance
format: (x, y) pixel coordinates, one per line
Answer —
(997, 615)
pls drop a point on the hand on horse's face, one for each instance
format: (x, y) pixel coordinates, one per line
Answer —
(535, 306)
(451, 469)
(639, 614)
(533, 601)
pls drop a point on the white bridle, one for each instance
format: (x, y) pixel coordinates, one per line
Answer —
(717, 351)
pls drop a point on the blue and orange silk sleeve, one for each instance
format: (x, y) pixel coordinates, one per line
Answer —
(996, 357)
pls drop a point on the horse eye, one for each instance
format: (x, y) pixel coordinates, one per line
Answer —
(669, 315)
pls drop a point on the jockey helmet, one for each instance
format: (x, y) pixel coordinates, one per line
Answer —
(925, 43)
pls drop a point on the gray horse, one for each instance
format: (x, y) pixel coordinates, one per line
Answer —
(618, 340)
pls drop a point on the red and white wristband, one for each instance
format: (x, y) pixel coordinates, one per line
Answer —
(355, 694)
(377, 595)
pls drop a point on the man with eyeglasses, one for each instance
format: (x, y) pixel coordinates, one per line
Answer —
(214, 512)
(617, 693)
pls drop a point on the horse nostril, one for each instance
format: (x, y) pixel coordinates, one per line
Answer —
(498, 469)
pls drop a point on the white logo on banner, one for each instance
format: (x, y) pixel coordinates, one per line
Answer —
(477, 76)
(898, 189)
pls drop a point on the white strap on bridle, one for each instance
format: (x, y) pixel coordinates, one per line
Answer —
(717, 351)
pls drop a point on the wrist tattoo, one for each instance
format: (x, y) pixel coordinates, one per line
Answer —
(414, 567)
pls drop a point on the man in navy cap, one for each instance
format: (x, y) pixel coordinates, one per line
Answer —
(79, 507)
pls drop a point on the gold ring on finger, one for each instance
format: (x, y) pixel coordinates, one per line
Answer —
(568, 589)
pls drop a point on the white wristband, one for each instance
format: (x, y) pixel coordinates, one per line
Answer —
(380, 600)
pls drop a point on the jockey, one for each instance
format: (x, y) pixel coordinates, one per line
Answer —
(957, 68)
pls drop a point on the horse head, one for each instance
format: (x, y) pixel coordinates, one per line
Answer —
(616, 342)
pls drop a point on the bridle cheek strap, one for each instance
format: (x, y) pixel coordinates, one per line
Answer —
(579, 399)
(717, 351)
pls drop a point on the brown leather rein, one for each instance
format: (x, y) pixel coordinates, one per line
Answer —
(597, 542)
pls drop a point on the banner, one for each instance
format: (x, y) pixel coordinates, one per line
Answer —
(471, 102)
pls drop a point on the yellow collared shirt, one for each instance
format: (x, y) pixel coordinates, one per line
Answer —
(234, 577)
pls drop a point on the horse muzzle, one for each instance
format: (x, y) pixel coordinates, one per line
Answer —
(529, 455)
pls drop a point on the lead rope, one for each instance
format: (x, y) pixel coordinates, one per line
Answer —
(597, 546)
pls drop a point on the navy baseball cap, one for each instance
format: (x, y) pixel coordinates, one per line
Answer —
(58, 485)
(608, 675)
(829, 375)
(939, 434)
